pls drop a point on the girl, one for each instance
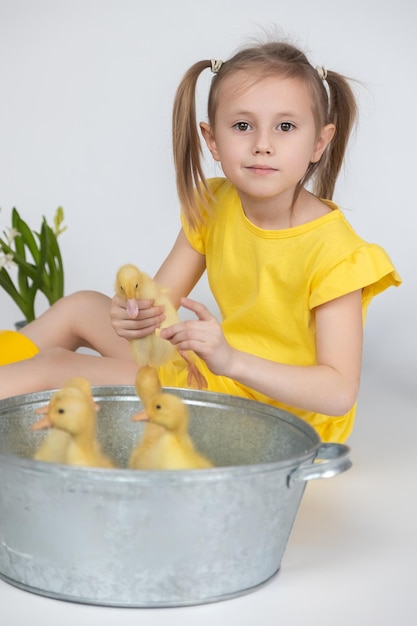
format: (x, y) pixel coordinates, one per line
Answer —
(291, 278)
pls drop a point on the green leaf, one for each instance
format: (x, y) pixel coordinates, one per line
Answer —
(45, 273)
(24, 305)
(29, 240)
(7, 284)
(40, 269)
(53, 280)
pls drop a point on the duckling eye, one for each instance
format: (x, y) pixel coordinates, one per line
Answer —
(137, 285)
(158, 406)
(61, 410)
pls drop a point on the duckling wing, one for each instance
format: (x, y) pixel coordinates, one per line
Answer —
(142, 455)
(87, 455)
(142, 349)
(161, 352)
(171, 453)
(54, 447)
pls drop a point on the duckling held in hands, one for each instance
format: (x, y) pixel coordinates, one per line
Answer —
(70, 410)
(54, 446)
(174, 449)
(132, 284)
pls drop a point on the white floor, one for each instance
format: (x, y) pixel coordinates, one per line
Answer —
(351, 556)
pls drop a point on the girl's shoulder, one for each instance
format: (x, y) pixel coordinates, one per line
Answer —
(220, 186)
(220, 197)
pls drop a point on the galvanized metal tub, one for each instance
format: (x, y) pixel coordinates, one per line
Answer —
(148, 538)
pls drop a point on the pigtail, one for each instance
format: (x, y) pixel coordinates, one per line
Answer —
(342, 112)
(187, 146)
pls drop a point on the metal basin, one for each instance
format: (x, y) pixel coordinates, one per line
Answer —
(148, 538)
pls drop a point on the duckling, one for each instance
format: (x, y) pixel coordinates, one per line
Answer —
(147, 385)
(54, 446)
(132, 284)
(71, 411)
(173, 449)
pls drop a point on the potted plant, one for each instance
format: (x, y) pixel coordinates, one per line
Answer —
(37, 257)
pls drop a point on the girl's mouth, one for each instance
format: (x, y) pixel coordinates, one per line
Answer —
(261, 170)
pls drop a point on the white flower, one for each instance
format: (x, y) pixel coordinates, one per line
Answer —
(11, 234)
(6, 260)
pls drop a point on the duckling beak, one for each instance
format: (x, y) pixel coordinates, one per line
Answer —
(142, 416)
(44, 422)
(132, 308)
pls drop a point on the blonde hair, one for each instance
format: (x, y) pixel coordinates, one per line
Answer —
(335, 105)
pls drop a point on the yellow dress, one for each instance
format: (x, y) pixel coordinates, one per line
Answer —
(267, 284)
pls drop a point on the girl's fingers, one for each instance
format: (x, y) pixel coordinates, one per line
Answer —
(147, 320)
(146, 309)
(150, 313)
(198, 308)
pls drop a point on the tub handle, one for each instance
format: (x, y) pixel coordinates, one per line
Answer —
(331, 459)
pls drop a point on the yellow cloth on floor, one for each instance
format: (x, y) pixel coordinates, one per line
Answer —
(15, 347)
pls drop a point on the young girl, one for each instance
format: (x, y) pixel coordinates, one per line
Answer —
(291, 278)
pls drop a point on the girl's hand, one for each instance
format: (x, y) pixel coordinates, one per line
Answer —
(203, 336)
(145, 323)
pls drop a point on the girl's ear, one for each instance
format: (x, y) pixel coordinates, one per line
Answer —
(208, 136)
(325, 137)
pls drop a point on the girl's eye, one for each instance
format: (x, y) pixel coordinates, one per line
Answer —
(286, 127)
(242, 126)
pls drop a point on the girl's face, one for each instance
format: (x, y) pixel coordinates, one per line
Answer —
(264, 135)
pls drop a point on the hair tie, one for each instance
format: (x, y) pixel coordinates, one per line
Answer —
(321, 71)
(216, 65)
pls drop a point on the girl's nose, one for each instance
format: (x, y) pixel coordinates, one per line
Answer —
(262, 145)
(262, 150)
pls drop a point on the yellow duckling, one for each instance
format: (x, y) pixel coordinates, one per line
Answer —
(147, 385)
(173, 449)
(132, 284)
(54, 446)
(70, 410)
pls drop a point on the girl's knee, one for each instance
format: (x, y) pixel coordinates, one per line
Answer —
(81, 301)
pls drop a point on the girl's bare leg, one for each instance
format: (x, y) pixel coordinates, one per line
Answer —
(82, 319)
(55, 366)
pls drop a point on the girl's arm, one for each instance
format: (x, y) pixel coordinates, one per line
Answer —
(329, 387)
(179, 273)
(181, 270)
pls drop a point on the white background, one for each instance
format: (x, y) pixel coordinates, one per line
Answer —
(85, 119)
(86, 90)
(85, 111)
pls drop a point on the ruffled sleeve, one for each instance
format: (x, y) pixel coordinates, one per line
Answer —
(368, 268)
(194, 236)
(197, 236)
